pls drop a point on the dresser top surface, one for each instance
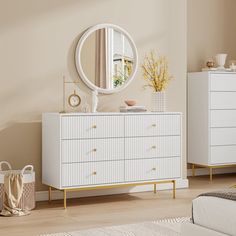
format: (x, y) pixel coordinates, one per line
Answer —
(212, 72)
(111, 113)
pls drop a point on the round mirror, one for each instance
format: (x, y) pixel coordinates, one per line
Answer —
(106, 58)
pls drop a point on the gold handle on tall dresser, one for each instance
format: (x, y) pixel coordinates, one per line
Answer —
(95, 149)
(94, 127)
(154, 147)
(154, 125)
(154, 168)
(95, 172)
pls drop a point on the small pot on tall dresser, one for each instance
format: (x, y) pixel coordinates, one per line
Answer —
(108, 150)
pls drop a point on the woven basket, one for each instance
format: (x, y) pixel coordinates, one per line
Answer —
(27, 201)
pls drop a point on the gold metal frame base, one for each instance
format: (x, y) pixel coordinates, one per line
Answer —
(210, 168)
(111, 186)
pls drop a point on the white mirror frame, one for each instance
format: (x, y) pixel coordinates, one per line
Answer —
(80, 70)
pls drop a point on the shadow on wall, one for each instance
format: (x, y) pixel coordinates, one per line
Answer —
(34, 9)
(73, 74)
(21, 144)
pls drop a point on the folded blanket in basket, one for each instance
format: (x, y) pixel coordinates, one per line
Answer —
(13, 189)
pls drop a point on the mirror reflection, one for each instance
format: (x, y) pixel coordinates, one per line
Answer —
(107, 58)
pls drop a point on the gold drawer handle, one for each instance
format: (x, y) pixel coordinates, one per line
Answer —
(154, 168)
(154, 147)
(95, 149)
(94, 173)
(94, 127)
(154, 125)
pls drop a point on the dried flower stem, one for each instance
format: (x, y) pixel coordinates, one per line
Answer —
(156, 72)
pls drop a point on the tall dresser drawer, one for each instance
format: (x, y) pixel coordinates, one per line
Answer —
(152, 169)
(223, 136)
(223, 154)
(223, 118)
(223, 100)
(148, 147)
(86, 150)
(152, 125)
(223, 82)
(79, 127)
(93, 173)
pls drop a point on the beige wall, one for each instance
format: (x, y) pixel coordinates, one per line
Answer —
(37, 42)
(211, 30)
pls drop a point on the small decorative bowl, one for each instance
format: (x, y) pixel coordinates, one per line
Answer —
(210, 64)
(130, 102)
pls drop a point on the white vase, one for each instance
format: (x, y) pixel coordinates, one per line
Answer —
(94, 100)
(220, 61)
(158, 101)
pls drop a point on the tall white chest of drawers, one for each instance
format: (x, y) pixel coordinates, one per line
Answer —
(88, 151)
(212, 119)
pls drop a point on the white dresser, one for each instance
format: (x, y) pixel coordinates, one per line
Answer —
(104, 150)
(212, 119)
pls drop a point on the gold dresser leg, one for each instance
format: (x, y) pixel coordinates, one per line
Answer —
(211, 173)
(193, 170)
(174, 188)
(64, 198)
(50, 194)
(155, 188)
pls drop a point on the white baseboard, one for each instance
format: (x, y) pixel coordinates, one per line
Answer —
(205, 171)
(43, 195)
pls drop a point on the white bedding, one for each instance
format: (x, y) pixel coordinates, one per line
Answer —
(215, 213)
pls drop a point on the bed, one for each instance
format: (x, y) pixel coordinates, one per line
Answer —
(213, 214)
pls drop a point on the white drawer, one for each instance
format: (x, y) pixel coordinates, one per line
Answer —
(148, 147)
(93, 173)
(223, 118)
(92, 150)
(223, 154)
(223, 82)
(223, 136)
(223, 100)
(78, 127)
(152, 169)
(152, 125)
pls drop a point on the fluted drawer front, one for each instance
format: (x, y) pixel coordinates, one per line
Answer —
(93, 173)
(86, 150)
(152, 125)
(148, 147)
(152, 169)
(79, 127)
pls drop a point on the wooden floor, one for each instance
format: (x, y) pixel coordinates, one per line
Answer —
(110, 210)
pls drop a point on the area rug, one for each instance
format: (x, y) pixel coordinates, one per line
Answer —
(164, 227)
